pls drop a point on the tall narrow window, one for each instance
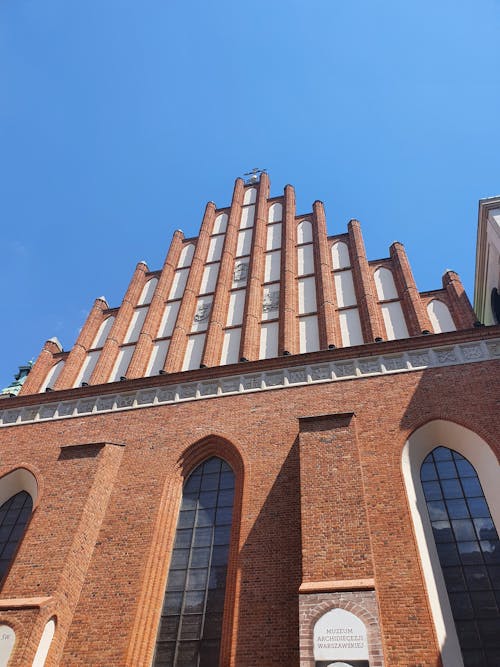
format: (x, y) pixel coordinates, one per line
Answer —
(469, 552)
(14, 515)
(191, 620)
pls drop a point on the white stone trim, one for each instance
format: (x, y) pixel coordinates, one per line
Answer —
(252, 381)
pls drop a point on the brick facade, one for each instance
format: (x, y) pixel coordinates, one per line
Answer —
(321, 517)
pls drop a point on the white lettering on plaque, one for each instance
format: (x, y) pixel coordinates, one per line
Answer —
(340, 635)
(7, 639)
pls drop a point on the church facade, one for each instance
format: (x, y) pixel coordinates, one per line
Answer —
(275, 451)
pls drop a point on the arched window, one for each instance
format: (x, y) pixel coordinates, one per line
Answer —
(469, 552)
(191, 621)
(14, 515)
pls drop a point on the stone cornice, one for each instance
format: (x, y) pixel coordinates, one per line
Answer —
(392, 357)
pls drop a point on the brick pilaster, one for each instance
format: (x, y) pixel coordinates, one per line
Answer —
(329, 325)
(289, 332)
(40, 368)
(414, 310)
(458, 301)
(144, 347)
(250, 339)
(84, 341)
(215, 332)
(111, 347)
(371, 320)
(334, 526)
(177, 347)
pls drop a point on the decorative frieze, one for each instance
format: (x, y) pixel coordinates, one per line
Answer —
(334, 371)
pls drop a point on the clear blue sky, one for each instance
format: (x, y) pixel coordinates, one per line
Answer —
(120, 119)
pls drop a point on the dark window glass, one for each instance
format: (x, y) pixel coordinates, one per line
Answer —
(191, 621)
(14, 514)
(469, 552)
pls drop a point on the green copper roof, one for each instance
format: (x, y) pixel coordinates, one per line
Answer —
(15, 386)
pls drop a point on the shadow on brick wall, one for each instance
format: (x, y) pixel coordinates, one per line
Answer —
(267, 632)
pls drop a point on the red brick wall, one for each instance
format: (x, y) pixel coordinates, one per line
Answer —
(99, 540)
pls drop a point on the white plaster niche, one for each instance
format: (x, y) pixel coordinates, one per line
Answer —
(186, 256)
(275, 212)
(309, 334)
(269, 340)
(135, 326)
(157, 358)
(168, 319)
(103, 332)
(231, 346)
(305, 260)
(344, 288)
(341, 637)
(122, 362)
(215, 248)
(350, 327)
(244, 243)
(250, 196)
(87, 367)
(340, 256)
(52, 376)
(440, 316)
(394, 320)
(220, 224)
(147, 291)
(209, 278)
(272, 266)
(307, 295)
(236, 307)
(7, 641)
(384, 282)
(178, 284)
(194, 352)
(273, 237)
(45, 642)
(304, 232)
(247, 217)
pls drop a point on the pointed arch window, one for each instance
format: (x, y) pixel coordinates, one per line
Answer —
(469, 552)
(191, 621)
(14, 516)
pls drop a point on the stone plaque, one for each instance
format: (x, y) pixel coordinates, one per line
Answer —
(340, 638)
(7, 639)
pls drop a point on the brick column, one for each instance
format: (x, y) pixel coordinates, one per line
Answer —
(215, 332)
(83, 343)
(334, 525)
(329, 325)
(289, 327)
(414, 310)
(178, 342)
(250, 339)
(371, 321)
(144, 347)
(458, 301)
(40, 368)
(115, 338)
